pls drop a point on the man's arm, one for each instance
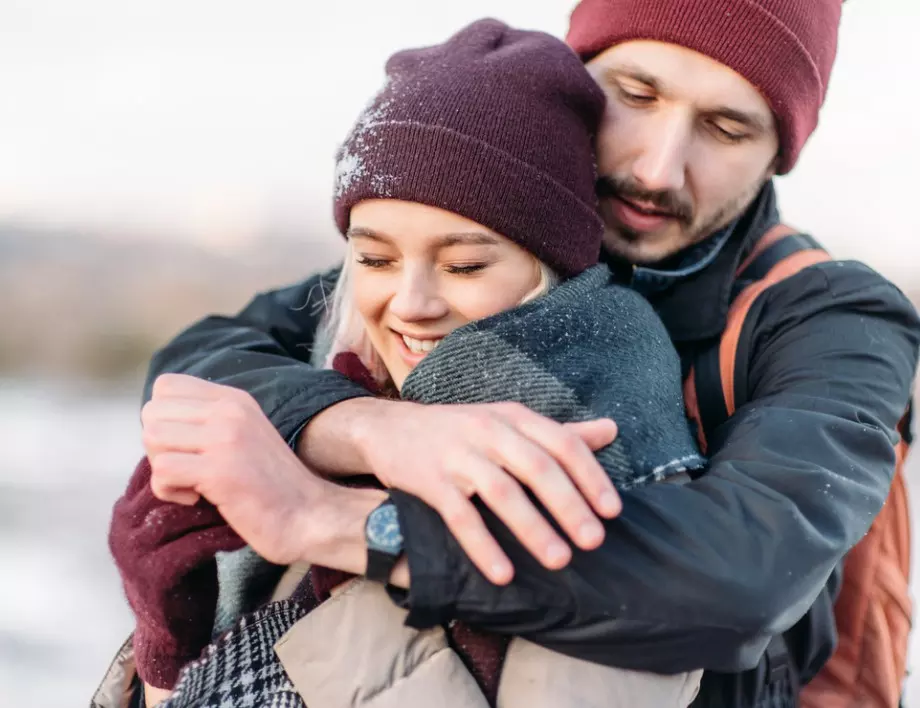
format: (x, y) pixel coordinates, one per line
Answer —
(264, 350)
(704, 574)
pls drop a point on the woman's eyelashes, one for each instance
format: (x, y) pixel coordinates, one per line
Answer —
(380, 262)
(373, 261)
(465, 268)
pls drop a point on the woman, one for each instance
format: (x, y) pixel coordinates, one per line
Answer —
(467, 278)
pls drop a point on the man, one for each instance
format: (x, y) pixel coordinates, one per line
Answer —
(707, 101)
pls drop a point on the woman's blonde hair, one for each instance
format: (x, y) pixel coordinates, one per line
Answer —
(344, 329)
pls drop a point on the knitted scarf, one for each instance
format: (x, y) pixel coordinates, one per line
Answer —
(587, 349)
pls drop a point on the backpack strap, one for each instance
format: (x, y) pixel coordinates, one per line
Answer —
(710, 391)
(711, 387)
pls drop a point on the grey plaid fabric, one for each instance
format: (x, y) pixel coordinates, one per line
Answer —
(240, 670)
(587, 349)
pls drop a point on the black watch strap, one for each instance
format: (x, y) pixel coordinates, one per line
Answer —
(384, 541)
(380, 566)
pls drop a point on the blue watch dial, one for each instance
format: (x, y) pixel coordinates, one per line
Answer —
(382, 530)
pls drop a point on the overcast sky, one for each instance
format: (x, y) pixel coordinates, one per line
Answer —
(217, 119)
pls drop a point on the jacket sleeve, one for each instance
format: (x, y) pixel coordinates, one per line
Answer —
(702, 575)
(264, 350)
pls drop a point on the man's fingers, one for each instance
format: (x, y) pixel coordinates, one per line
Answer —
(576, 459)
(185, 386)
(467, 526)
(534, 466)
(505, 497)
(176, 475)
(185, 497)
(595, 433)
(184, 410)
(164, 436)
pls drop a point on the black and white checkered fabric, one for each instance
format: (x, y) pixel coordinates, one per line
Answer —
(241, 670)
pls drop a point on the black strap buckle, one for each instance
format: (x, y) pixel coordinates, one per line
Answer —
(777, 659)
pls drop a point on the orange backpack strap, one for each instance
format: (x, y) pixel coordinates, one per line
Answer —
(710, 389)
(873, 609)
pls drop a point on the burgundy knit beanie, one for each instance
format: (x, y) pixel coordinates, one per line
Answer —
(496, 125)
(785, 48)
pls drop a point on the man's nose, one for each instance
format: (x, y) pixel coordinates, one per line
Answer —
(662, 164)
(418, 297)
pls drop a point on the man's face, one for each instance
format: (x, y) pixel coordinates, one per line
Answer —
(685, 145)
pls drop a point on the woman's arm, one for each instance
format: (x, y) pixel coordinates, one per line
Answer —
(165, 554)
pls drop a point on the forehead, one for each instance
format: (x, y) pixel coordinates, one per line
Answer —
(415, 226)
(680, 74)
(411, 217)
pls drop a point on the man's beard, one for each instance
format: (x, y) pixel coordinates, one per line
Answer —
(622, 242)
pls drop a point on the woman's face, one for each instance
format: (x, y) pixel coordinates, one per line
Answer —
(421, 272)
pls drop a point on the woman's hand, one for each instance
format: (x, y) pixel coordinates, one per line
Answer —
(445, 454)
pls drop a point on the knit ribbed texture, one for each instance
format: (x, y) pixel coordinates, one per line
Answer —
(785, 48)
(496, 125)
(588, 349)
(165, 554)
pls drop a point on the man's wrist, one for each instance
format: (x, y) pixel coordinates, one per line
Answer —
(341, 543)
(339, 522)
(334, 441)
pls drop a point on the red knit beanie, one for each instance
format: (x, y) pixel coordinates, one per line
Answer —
(785, 48)
(496, 125)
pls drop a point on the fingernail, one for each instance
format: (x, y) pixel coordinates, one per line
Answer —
(610, 502)
(501, 572)
(591, 532)
(557, 553)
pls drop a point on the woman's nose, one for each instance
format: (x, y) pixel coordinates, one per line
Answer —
(418, 297)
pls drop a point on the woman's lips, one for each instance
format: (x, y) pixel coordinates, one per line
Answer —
(412, 349)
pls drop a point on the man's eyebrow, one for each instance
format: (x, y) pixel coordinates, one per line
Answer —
(752, 120)
(633, 72)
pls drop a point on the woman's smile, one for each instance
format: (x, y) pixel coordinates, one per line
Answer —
(420, 272)
(414, 349)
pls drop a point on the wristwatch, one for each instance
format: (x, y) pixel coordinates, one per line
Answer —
(384, 541)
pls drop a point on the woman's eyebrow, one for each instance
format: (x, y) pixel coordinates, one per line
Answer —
(362, 232)
(477, 238)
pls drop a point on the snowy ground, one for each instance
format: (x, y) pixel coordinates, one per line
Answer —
(64, 458)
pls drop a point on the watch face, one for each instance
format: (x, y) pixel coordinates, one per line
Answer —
(383, 532)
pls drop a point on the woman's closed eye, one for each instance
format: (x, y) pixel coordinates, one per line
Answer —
(369, 261)
(465, 268)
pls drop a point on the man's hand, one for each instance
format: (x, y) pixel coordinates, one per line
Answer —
(213, 441)
(445, 454)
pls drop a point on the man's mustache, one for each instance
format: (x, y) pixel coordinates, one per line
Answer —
(627, 189)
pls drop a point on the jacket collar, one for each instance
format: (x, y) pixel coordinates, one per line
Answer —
(692, 296)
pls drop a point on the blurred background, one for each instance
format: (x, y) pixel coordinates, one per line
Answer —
(160, 160)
